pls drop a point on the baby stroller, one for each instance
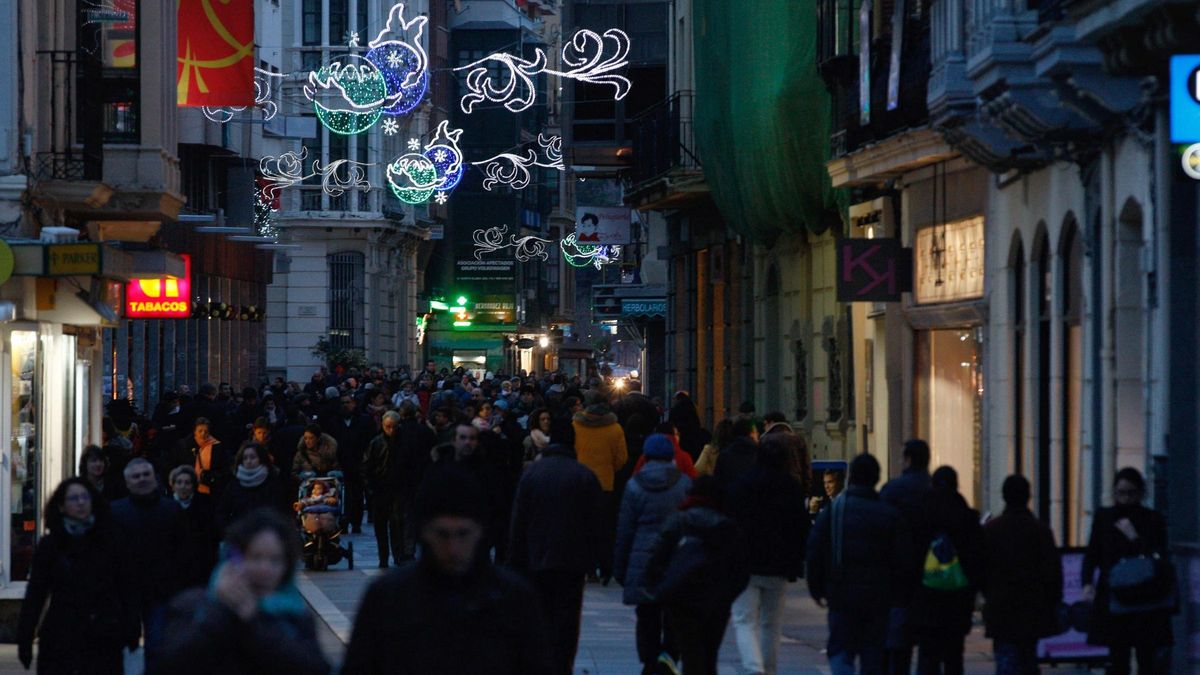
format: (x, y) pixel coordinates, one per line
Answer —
(319, 509)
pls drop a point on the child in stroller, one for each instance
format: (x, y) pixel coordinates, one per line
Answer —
(319, 508)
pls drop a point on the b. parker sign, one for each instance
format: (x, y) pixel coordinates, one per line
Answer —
(872, 270)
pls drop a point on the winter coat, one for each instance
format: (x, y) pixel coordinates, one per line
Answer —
(650, 497)
(382, 462)
(1022, 585)
(875, 554)
(417, 621)
(320, 460)
(909, 493)
(418, 441)
(490, 479)
(198, 555)
(94, 608)
(353, 435)
(238, 500)
(735, 459)
(706, 465)
(938, 612)
(683, 462)
(717, 572)
(1106, 546)
(557, 516)
(769, 507)
(187, 453)
(152, 529)
(204, 636)
(600, 445)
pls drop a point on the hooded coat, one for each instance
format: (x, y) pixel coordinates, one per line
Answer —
(712, 583)
(321, 460)
(600, 444)
(557, 516)
(650, 497)
(735, 459)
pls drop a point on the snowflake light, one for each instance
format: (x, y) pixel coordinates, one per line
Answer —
(287, 170)
(400, 57)
(513, 170)
(414, 144)
(348, 94)
(354, 38)
(495, 239)
(593, 58)
(409, 175)
(440, 198)
(391, 127)
(262, 100)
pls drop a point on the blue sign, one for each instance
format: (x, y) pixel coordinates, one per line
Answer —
(643, 307)
(1185, 98)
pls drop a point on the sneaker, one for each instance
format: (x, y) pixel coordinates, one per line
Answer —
(667, 664)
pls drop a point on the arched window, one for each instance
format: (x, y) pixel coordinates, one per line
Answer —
(1041, 303)
(772, 376)
(1071, 251)
(1129, 338)
(346, 295)
(1017, 299)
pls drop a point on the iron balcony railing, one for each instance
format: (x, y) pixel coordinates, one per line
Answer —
(664, 138)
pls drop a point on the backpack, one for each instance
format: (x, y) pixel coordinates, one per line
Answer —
(943, 570)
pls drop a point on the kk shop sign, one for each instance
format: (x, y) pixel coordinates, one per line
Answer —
(872, 270)
(162, 297)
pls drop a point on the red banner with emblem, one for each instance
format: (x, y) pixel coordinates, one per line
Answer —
(215, 53)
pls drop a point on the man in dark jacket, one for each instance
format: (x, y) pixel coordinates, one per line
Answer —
(452, 611)
(353, 431)
(739, 456)
(908, 492)
(151, 525)
(381, 469)
(858, 560)
(555, 539)
(418, 443)
(1022, 585)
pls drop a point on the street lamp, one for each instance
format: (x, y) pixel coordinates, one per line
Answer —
(543, 342)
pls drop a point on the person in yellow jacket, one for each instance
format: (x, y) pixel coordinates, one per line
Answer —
(600, 446)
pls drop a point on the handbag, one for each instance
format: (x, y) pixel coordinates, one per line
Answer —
(943, 570)
(1142, 583)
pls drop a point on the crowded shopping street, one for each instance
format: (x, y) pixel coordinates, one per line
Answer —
(599, 337)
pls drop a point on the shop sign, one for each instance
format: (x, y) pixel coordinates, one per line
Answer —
(1185, 98)
(602, 225)
(72, 259)
(472, 271)
(644, 307)
(872, 270)
(950, 262)
(161, 297)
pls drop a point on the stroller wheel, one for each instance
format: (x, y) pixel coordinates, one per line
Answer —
(319, 563)
(350, 555)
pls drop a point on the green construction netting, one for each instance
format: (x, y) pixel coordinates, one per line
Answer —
(762, 115)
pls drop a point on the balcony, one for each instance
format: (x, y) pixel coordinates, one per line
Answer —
(666, 171)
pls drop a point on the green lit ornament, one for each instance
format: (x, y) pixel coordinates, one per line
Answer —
(413, 178)
(348, 94)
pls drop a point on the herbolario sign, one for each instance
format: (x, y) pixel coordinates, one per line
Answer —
(949, 261)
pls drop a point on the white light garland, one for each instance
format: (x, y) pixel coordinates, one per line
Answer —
(513, 170)
(262, 100)
(582, 255)
(524, 248)
(438, 167)
(287, 170)
(585, 54)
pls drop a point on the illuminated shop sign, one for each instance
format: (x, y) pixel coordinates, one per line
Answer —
(162, 297)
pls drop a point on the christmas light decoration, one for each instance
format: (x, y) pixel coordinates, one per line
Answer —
(446, 157)
(414, 144)
(413, 178)
(397, 52)
(391, 127)
(586, 54)
(494, 239)
(262, 100)
(348, 94)
(438, 167)
(287, 170)
(513, 170)
(582, 255)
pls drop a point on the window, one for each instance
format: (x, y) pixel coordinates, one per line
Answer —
(346, 293)
(1017, 305)
(1071, 250)
(312, 23)
(339, 22)
(1043, 283)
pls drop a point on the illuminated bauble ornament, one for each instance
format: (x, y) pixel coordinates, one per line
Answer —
(347, 94)
(446, 157)
(413, 178)
(396, 61)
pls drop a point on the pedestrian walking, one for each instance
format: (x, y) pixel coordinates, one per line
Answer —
(739, 456)
(453, 612)
(80, 569)
(1022, 585)
(150, 525)
(539, 437)
(600, 446)
(857, 563)
(205, 453)
(953, 567)
(556, 540)
(909, 493)
(650, 497)
(316, 454)
(382, 469)
(95, 469)
(1130, 617)
(685, 419)
(198, 555)
(353, 431)
(683, 461)
(696, 569)
(255, 486)
(706, 465)
(252, 619)
(768, 504)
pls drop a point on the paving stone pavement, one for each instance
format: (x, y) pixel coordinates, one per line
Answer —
(606, 644)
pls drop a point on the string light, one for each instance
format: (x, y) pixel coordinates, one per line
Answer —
(525, 248)
(262, 99)
(513, 170)
(585, 54)
(438, 167)
(348, 94)
(582, 255)
(446, 157)
(402, 60)
(287, 170)
(413, 178)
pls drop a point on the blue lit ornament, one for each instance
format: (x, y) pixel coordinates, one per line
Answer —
(397, 61)
(446, 157)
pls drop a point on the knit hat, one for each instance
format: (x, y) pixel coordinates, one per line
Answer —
(450, 491)
(501, 404)
(659, 446)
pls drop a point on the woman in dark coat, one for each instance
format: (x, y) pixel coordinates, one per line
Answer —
(96, 469)
(200, 539)
(255, 485)
(251, 619)
(692, 436)
(1125, 530)
(79, 568)
(941, 618)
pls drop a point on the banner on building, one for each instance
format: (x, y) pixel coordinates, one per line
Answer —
(872, 270)
(950, 263)
(602, 225)
(215, 57)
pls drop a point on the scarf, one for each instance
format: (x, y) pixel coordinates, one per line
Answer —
(78, 528)
(540, 440)
(252, 477)
(183, 504)
(283, 602)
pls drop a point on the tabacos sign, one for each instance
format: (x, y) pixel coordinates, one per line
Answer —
(161, 297)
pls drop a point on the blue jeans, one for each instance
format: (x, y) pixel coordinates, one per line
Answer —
(1015, 658)
(154, 628)
(857, 634)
